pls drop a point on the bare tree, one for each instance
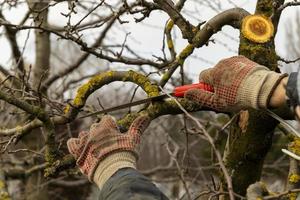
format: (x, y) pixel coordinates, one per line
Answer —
(42, 101)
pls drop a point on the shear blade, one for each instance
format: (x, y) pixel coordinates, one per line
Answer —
(291, 154)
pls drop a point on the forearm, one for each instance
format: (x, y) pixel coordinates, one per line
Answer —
(128, 183)
(278, 97)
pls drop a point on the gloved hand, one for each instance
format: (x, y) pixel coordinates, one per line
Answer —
(238, 83)
(103, 150)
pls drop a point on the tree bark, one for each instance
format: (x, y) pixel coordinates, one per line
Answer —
(246, 148)
(40, 70)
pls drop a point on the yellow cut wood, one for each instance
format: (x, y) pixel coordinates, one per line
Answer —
(257, 28)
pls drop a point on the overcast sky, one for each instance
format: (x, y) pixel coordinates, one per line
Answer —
(146, 37)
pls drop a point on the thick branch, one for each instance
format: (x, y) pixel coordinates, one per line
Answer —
(232, 17)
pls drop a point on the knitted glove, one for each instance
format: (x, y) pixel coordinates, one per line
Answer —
(103, 150)
(238, 83)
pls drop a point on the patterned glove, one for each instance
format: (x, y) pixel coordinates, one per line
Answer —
(103, 150)
(238, 83)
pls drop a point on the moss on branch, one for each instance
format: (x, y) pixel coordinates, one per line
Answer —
(65, 163)
(40, 113)
(246, 150)
(102, 79)
(232, 17)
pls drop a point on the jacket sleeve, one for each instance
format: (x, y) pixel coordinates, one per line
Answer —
(129, 184)
(293, 89)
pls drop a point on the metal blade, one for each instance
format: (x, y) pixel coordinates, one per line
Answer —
(135, 103)
(284, 123)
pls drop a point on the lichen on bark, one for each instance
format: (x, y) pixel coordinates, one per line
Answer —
(245, 151)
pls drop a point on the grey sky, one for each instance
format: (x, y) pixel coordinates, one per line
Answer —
(148, 39)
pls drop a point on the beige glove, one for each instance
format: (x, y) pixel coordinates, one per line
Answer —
(238, 83)
(104, 150)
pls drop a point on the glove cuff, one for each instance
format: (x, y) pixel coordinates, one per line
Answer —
(273, 79)
(257, 88)
(111, 164)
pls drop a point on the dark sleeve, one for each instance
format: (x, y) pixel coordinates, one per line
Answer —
(129, 184)
(293, 89)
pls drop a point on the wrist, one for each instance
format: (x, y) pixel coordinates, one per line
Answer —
(261, 88)
(111, 164)
(279, 97)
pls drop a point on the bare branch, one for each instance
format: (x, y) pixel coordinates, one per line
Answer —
(288, 4)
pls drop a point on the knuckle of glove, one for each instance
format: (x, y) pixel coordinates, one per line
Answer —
(193, 95)
(207, 76)
(73, 145)
(139, 125)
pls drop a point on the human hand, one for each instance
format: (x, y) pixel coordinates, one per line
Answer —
(238, 83)
(103, 150)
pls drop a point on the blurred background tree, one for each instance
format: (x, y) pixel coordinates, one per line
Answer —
(52, 48)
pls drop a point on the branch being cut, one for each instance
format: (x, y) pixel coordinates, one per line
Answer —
(232, 17)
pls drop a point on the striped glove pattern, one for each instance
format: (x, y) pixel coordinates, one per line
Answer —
(238, 83)
(104, 143)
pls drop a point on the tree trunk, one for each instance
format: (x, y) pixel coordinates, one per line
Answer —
(35, 187)
(247, 146)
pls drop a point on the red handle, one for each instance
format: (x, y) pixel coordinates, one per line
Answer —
(179, 91)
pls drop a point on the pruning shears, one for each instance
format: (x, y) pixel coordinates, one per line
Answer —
(177, 92)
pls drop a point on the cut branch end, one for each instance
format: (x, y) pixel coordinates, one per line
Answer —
(257, 28)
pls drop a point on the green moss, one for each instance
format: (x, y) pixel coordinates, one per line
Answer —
(2, 184)
(245, 152)
(65, 163)
(143, 81)
(188, 50)
(67, 109)
(259, 53)
(126, 121)
(295, 146)
(50, 155)
(294, 178)
(87, 88)
(105, 78)
(292, 196)
(4, 196)
(19, 128)
(265, 7)
(170, 44)
(170, 25)
(160, 108)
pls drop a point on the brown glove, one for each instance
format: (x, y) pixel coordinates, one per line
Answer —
(238, 83)
(104, 150)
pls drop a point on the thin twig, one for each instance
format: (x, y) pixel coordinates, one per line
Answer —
(211, 141)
